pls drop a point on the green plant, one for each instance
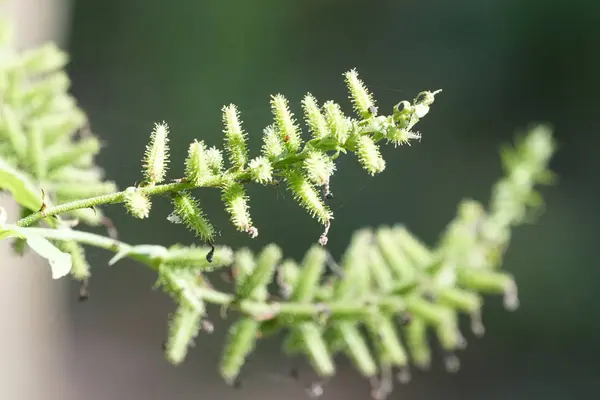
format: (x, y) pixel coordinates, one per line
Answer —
(386, 274)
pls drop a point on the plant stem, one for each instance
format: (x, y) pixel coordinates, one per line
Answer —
(113, 198)
(119, 197)
(253, 308)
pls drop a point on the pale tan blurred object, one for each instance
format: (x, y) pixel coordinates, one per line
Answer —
(34, 341)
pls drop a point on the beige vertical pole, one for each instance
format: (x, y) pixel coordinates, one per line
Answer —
(34, 342)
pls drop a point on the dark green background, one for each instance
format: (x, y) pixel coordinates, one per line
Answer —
(502, 65)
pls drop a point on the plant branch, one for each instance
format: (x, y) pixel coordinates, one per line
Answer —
(113, 198)
(252, 308)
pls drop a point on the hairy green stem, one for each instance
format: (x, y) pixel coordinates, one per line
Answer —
(120, 197)
(113, 198)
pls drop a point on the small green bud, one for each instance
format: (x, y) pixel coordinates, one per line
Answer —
(156, 157)
(316, 349)
(196, 164)
(190, 212)
(539, 144)
(286, 124)
(241, 340)
(401, 136)
(307, 281)
(433, 314)
(214, 160)
(308, 197)
(357, 348)
(417, 342)
(255, 284)
(261, 170)
(336, 122)
(272, 143)
(369, 156)
(287, 278)
(236, 203)
(360, 96)
(137, 203)
(319, 167)
(461, 299)
(314, 118)
(185, 324)
(387, 343)
(235, 137)
(486, 281)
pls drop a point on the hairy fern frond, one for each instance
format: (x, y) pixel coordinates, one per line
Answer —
(388, 293)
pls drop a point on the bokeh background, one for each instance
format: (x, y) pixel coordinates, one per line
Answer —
(502, 65)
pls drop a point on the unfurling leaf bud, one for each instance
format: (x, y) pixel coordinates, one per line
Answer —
(190, 212)
(369, 156)
(137, 203)
(422, 103)
(235, 137)
(360, 96)
(314, 118)
(156, 157)
(286, 124)
(261, 170)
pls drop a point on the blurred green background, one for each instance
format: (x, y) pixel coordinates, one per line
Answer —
(502, 65)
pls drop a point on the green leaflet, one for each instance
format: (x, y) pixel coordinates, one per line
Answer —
(60, 262)
(184, 327)
(240, 342)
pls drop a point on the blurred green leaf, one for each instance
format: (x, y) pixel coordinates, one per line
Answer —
(23, 191)
(60, 262)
